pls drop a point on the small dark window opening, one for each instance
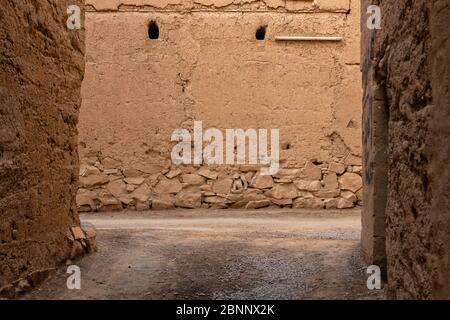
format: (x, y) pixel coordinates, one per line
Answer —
(261, 33)
(153, 30)
(317, 162)
(286, 146)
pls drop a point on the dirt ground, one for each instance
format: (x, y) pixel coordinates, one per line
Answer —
(181, 254)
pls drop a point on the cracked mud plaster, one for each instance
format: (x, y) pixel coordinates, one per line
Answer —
(41, 68)
(207, 65)
(408, 77)
(341, 6)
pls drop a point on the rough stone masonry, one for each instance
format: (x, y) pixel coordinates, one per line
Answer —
(41, 68)
(155, 66)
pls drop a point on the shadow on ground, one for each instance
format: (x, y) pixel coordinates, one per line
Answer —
(221, 255)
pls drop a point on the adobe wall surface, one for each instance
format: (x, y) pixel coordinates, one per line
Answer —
(440, 132)
(409, 76)
(375, 150)
(41, 68)
(207, 66)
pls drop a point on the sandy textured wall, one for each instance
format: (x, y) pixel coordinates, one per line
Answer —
(41, 68)
(208, 66)
(375, 145)
(439, 166)
(409, 76)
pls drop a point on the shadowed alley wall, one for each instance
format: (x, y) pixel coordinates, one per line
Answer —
(41, 69)
(406, 83)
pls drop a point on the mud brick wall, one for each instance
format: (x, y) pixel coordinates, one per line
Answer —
(375, 154)
(208, 66)
(408, 75)
(41, 68)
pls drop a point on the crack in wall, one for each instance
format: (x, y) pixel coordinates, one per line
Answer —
(285, 6)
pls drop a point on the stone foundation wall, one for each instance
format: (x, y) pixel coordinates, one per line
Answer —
(327, 186)
(207, 65)
(41, 68)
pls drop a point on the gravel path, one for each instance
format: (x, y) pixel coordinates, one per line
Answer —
(271, 254)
